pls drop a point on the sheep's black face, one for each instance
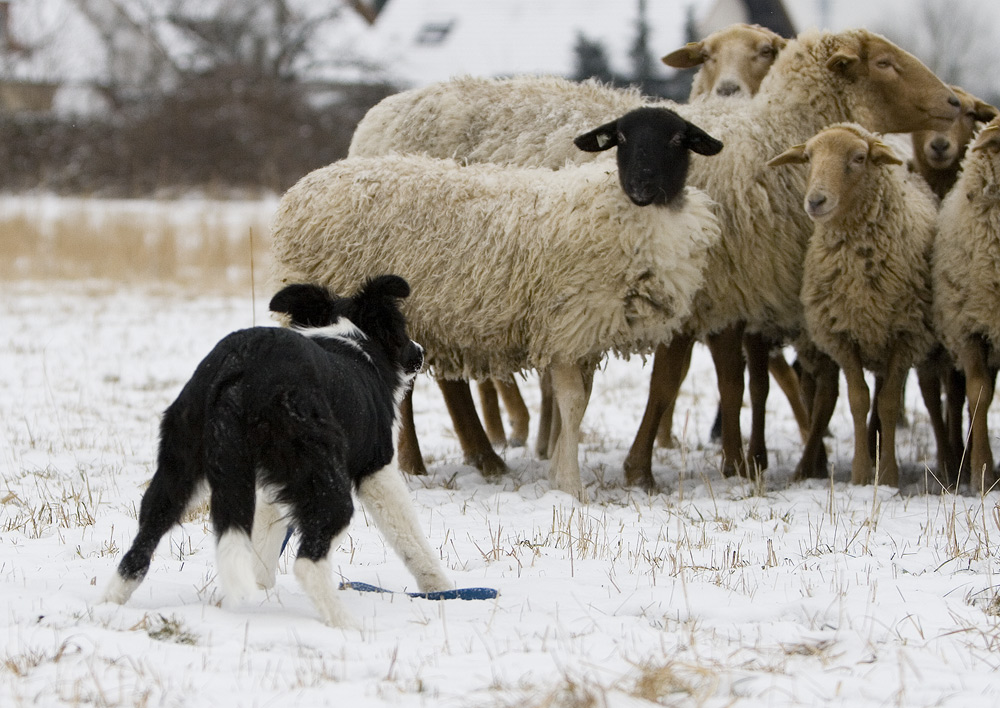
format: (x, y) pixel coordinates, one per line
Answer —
(654, 146)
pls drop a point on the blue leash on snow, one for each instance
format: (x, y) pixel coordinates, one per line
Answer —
(458, 594)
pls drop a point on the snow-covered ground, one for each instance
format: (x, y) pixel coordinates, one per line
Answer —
(712, 592)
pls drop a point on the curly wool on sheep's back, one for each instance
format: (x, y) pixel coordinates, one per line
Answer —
(511, 268)
(967, 253)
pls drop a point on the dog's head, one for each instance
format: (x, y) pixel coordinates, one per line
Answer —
(371, 314)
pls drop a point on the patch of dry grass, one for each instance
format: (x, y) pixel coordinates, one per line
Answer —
(208, 245)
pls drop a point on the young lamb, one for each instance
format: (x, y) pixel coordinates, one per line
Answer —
(519, 268)
(733, 60)
(866, 287)
(966, 265)
(754, 274)
(937, 157)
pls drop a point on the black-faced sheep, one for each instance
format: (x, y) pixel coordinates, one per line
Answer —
(519, 268)
(966, 269)
(754, 275)
(866, 287)
(733, 60)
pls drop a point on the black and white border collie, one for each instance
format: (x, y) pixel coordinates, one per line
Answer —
(281, 424)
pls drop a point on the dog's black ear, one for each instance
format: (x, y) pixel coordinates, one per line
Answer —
(307, 304)
(386, 286)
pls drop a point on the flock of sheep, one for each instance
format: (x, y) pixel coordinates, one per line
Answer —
(528, 246)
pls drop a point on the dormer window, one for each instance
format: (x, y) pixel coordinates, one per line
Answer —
(434, 33)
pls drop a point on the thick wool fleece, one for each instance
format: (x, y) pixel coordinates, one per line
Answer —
(966, 262)
(867, 279)
(754, 273)
(511, 268)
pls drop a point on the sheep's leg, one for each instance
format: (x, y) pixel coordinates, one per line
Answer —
(889, 404)
(859, 396)
(475, 445)
(545, 412)
(517, 411)
(727, 353)
(758, 349)
(665, 433)
(492, 419)
(664, 383)
(954, 385)
(928, 376)
(788, 381)
(570, 386)
(979, 390)
(408, 447)
(821, 385)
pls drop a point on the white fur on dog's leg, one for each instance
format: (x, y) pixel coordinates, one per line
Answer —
(316, 579)
(387, 498)
(269, 530)
(235, 558)
(119, 589)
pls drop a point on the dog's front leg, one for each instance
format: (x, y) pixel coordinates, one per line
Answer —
(387, 498)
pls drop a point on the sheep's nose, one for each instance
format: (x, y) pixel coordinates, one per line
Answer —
(939, 144)
(816, 202)
(727, 88)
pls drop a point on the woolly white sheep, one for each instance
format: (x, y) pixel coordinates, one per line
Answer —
(966, 270)
(937, 157)
(866, 287)
(733, 60)
(754, 275)
(519, 268)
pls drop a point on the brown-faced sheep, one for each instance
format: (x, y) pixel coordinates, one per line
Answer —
(733, 60)
(754, 275)
(937, 157)
(966, 269)
(519, 268)
(866, 287)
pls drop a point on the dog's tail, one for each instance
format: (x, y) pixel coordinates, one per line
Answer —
(174, 486)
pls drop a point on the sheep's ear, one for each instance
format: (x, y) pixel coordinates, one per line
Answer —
(306, 304)
(795, 155)
(599, 139)
(697, 140)
(882, 154)
(687, 57)
(984, 112)
(779, 42)
(844, 63)
(989, 137)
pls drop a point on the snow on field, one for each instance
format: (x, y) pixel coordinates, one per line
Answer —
(713, 592)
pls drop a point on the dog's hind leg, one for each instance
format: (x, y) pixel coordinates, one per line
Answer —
(387, 498)
(322, 518)
(270, 526)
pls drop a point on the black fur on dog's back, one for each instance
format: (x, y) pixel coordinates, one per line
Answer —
(307, 412)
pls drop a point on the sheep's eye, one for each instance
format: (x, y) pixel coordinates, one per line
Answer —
(859, 159)
(884, 63)
(621, 138)
(676, 140)
(767, 51)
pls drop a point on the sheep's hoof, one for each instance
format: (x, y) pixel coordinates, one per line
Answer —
(489, 465)
(639, 475)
